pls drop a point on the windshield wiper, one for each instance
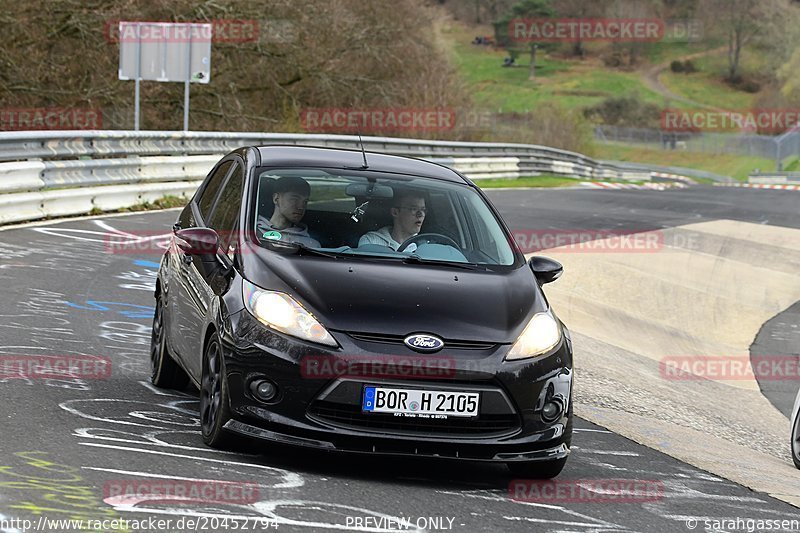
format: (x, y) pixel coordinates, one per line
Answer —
(417, 260)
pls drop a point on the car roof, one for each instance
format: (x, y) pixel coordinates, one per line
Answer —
(280, 155)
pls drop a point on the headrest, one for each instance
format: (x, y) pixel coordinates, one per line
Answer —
(266, 187)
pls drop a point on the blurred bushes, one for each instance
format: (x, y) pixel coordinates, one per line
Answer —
(627, 111)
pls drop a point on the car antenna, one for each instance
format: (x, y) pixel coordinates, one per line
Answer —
(363, 152)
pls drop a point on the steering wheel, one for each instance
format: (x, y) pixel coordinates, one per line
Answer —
(432, 237)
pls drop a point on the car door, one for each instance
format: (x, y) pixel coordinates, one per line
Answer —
(200, 276)
(183, 292)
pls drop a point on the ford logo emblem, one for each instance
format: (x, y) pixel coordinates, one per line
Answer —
(424, 343)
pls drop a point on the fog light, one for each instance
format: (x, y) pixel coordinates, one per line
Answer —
(551, 411)
(263, 390)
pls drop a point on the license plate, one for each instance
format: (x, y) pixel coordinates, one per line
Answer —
(424, 403)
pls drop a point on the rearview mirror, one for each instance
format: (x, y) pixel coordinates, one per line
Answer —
(369, 191)
(545, 269)
(197, 241)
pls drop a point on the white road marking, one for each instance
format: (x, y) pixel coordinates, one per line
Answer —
(150, 439)
(103, 237)
(291, 479)
(559, 522)
(607, 452)
(155, 390)
(494, 496)
(40, 223)
(151, 475)
(67, 407)
(9, 529)
(268, 512)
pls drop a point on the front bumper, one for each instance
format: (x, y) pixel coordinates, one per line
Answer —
(394, 448)
(323, 412)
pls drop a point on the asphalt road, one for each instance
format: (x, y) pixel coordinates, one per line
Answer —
(67, 443)
(633, 211)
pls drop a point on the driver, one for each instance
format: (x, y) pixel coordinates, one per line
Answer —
(408, 213)
(290, 197)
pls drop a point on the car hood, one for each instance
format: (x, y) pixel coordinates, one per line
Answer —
(392, 298)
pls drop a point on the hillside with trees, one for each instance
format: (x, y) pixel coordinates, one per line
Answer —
(339, 53)
(410, 54)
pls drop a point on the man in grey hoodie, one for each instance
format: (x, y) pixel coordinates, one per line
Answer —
(408, 213)
(290, 196)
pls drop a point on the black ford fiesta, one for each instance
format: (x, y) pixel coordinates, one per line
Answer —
(360, 302)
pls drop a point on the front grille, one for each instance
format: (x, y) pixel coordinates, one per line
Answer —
(398, 339)
(351, 416)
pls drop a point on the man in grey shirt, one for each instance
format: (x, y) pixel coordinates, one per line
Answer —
(290, 196)
(408, 213)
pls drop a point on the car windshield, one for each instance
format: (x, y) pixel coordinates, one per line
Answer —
(375, 214)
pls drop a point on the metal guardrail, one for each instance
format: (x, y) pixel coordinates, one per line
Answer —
(776, 178)
(16, 146)
(56, 173)
(60, 145)
(675, 171)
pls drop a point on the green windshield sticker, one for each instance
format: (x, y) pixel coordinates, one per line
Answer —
(272, 235)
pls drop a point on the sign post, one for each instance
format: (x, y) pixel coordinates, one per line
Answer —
(166, 52)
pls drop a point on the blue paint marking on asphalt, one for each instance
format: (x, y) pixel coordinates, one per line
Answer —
(140, 311)
(148, 264)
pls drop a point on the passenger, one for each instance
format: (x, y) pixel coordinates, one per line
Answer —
(408, 214)
(290, 196)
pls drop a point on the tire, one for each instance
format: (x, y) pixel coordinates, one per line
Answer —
(544, 469)
(165, 373)
(796, 441)
(214, 400)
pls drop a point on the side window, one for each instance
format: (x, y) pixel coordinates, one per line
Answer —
(442, 212)
(489, 239)
(206, 200)
(226, 213)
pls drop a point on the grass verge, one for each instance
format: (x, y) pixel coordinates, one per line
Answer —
(165, 202)
(737, 167)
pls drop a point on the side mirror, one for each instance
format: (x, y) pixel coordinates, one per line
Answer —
(545, 269)
(197, 241)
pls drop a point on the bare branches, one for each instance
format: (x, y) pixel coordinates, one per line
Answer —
(307, 54)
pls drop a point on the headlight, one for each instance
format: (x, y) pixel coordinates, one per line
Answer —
(281, 312)
(541, 335)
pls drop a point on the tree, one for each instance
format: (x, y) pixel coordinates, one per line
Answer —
(524, 9)
(579, 9)
(632, 9)
(778, 36)
(740, 21)
(789, 75)
(477, 11)
(305, 54)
